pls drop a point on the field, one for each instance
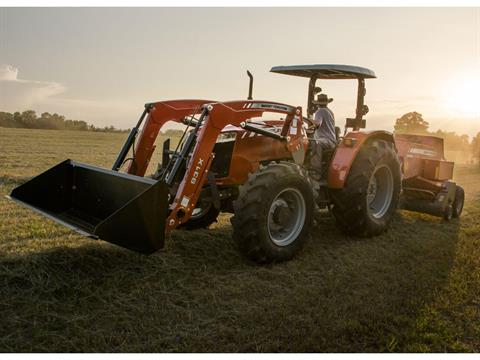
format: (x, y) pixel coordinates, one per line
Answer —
(416, 288)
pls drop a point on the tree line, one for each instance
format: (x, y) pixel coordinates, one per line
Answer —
(410, 123)
(413, 123)
(29, 120)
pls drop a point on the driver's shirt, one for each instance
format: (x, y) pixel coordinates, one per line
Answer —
(325, 131)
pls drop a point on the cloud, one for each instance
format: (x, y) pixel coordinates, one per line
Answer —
(19, 94)
(8, 73)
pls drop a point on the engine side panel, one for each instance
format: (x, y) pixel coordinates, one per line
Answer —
(249, 151)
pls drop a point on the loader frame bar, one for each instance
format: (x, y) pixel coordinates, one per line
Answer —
(197, 149)
(130, 140)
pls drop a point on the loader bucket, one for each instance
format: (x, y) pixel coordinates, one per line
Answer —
(123, 209)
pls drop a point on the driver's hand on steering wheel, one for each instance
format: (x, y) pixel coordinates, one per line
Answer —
(310, 130)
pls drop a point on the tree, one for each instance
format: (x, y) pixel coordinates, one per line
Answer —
(29, 119)
(6, 119)
(453, 141)
(411, 123)
(57, 121)
(476, 148)
(17, 119)
(76, 125)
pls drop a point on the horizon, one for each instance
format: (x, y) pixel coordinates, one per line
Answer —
(102, 65)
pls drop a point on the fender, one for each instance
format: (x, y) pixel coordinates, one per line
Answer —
(346, 153)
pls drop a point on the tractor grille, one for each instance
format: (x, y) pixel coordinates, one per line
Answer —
(223, 156)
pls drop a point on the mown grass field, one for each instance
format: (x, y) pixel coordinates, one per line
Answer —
(416, 288)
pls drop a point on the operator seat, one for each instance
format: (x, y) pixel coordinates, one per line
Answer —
(326, 154)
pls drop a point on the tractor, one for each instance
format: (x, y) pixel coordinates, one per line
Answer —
(248, 157)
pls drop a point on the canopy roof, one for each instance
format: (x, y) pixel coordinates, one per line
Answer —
(325, 71)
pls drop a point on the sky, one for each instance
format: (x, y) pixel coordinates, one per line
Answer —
(102, 64)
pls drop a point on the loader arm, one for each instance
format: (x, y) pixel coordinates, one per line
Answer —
(214, 118)
(159, 114)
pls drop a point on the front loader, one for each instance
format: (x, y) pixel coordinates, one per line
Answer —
(248, 157)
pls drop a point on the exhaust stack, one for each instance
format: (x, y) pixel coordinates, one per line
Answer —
(250, 85)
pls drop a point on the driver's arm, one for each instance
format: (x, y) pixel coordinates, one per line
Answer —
(317, 119)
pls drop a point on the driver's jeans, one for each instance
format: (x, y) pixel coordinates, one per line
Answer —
(317, 148)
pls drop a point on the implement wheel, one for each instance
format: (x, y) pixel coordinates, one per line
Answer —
(273, 213)
(458, 202)
(367, 203)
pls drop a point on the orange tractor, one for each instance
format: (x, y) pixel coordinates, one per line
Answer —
(232, 159)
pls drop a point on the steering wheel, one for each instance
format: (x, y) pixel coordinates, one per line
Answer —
(309, 126)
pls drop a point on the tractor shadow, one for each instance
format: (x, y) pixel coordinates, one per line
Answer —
(198, 294)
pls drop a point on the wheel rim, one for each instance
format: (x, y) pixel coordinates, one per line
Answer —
(286, 217)
(380, 191)
(448, 212)
(198, 212)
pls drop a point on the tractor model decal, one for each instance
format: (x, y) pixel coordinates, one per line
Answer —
(268, 106)
(196, 173)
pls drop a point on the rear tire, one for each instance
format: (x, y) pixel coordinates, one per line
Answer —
(366, 204)
(458, 202)
(273, 213)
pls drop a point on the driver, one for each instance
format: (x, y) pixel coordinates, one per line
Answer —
(324, 125)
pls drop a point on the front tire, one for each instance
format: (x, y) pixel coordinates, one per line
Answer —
(273, 213)
(366, 204)
(202, 217)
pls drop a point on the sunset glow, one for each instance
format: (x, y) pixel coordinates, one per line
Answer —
(58, 68)
(463, 95)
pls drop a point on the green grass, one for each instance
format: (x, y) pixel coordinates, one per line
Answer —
(414, 288)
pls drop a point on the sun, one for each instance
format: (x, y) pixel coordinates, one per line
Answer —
(463, 95)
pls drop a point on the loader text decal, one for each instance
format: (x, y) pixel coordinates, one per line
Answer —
(424, 152)
(269, 106)
(197, 171)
